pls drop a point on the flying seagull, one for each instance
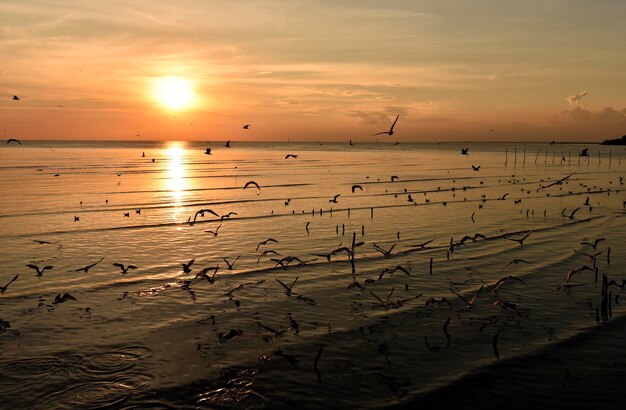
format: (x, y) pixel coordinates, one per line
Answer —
(86, 268)
(124, 268)
(39, 271)
(4, 288)
(10, 140)
(390, 132)
(252, 183)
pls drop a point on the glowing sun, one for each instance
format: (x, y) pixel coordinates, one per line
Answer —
(174, 93)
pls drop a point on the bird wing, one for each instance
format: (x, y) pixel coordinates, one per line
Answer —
(390, 293)
(119, 265)
(379, 299)
(461, 297)
(287, 288)
(380, 133)
(394, 124)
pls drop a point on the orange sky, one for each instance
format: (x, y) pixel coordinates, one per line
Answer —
(314, 70)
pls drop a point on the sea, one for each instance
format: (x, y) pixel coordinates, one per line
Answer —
(369, 275)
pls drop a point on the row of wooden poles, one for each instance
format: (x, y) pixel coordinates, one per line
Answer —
(545, 160)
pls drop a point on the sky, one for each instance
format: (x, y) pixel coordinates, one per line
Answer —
(313, 70)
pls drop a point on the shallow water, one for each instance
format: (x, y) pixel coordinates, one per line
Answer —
(149, 338)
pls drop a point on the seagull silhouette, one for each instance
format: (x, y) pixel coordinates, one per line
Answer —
(207, 151)
(390, 132)
(246, 126)
(10, 140)
(39, 271)
(514, 262)
(124, 268)
(215, 232)
(519, 240)
(464, 151)
(584, 152)
(204, 274)
(594, 244)
(201, 213)
(227, 145)
(187, 266)
(86, 268)
(577, 270)
(265, 242)
(385, 253)
(291, 156)
(476, 168)
(287, 288)
(355, 187)
(471, 303)
(16, 98)
(60, 299)
(252, 183)
(334, 200)
(4, 288)
(231, 264)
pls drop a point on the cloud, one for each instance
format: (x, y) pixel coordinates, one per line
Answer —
(575, 99)
(605, 114)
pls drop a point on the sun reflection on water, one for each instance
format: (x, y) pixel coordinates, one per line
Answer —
(176, 182)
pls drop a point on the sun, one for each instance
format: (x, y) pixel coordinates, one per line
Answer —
(175, 93)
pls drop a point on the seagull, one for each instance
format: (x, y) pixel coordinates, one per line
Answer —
(423, 244)
(215, 231)
(464, 151)
(287, 288)
(291, 156)
(241, 286)
(394, 177)
(334, 200)
(187, 266)
(265, 253)
(592, 256)
(514, 262)
(252, 183)
(520, 240)
(39, 271)
(203, 274)
(124, 268)
(355, 187)
(207, 151)
(476, 168)
(76, 218)
(386, 254)
(437, 302)
(4, 288)
(201, 213)
(60, 299)
(16, 98)
(351, 143)
(594, 244)
(86, 268)
(506, 305)
(571, 215)
(265, 242)
(559, 182)
(360, 286)
(392, 270)
(230, 265)
(126, 214)
(276, 333)
(471, 303)
(390, 132)
(246, 126)
(10, 140)
(395, 305)
(503, 197)
(502, 281)
(566, 287)
(584, 152)
(577, 270)
(227, 145)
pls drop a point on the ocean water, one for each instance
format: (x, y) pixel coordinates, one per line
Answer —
(157, 337)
